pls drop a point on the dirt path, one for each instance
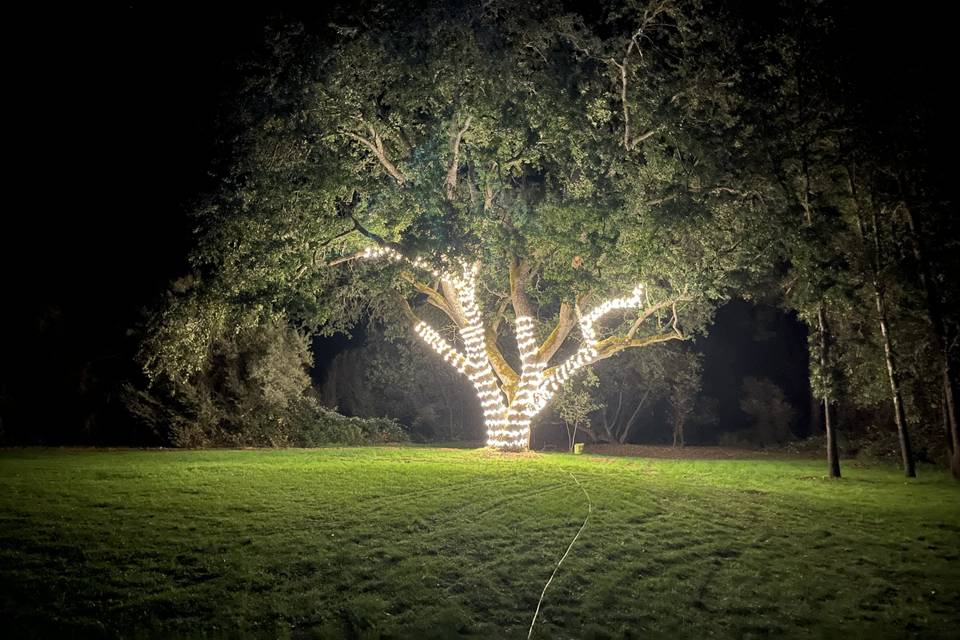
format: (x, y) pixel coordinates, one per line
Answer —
(685, 453)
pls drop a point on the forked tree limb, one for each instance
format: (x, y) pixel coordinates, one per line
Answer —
(375, 144)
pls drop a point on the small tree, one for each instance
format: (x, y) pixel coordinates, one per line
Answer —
(252, 388)
(768, 410)
(684, 385)
(576, 403)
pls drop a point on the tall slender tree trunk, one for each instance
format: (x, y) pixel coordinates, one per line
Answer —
(899, 415)
(950, 408)
(833, 453)
(893, 373)
(622, 439)
(939, 330)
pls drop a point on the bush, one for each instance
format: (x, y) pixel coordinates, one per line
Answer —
(769, 411)
(251, 390)
(316, 425)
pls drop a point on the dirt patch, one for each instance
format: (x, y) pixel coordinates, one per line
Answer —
(683, 453)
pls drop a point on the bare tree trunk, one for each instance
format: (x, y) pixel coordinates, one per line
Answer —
(833, 454)
(950, 408)
(678, 431)
(609, 426)
(633, 416)
(899, 414)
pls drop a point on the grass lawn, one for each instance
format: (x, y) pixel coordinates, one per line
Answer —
(421, 542)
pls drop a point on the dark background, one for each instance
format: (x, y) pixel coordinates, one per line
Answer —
(114, 126)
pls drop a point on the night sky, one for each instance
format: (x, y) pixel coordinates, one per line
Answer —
(116, 136)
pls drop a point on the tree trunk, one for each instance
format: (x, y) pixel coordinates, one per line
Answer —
(678, 432)
(570, 436)
(899, 415)
(950, 408)
(940, 334)
(833, 454)
(633, 416)
(893, 373)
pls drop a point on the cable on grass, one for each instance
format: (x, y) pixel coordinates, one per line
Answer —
(564, 557)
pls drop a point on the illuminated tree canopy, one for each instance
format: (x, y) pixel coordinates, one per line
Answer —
(534, 190)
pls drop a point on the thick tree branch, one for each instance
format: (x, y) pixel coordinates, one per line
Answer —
(649, 311)
(615, 344)
(347, 258)
(407, 310)
(375, 144)
(380, 241)
(520, 272)
(509, 378)
(450, 183)
(566, 321)
(434, 297)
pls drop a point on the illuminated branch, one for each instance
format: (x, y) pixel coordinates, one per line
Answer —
(510, 399)
(434, 297)
(441, 346)
(588, 351)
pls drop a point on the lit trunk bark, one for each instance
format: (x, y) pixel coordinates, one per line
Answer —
(906, 452)
(833, 454)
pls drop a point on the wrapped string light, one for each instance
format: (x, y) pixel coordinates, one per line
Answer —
(441, 346)
(507, 424)
(587, 353)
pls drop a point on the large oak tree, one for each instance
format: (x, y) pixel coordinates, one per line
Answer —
(480, 169)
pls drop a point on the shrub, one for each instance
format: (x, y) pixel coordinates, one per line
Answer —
(252, 389)
(315, 425)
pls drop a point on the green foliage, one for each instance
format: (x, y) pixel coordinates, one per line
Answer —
(768, 410)
(403, 379)
(251, 388)
(356, 127)
(410, 542)
(576, 401)
(320, 426)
